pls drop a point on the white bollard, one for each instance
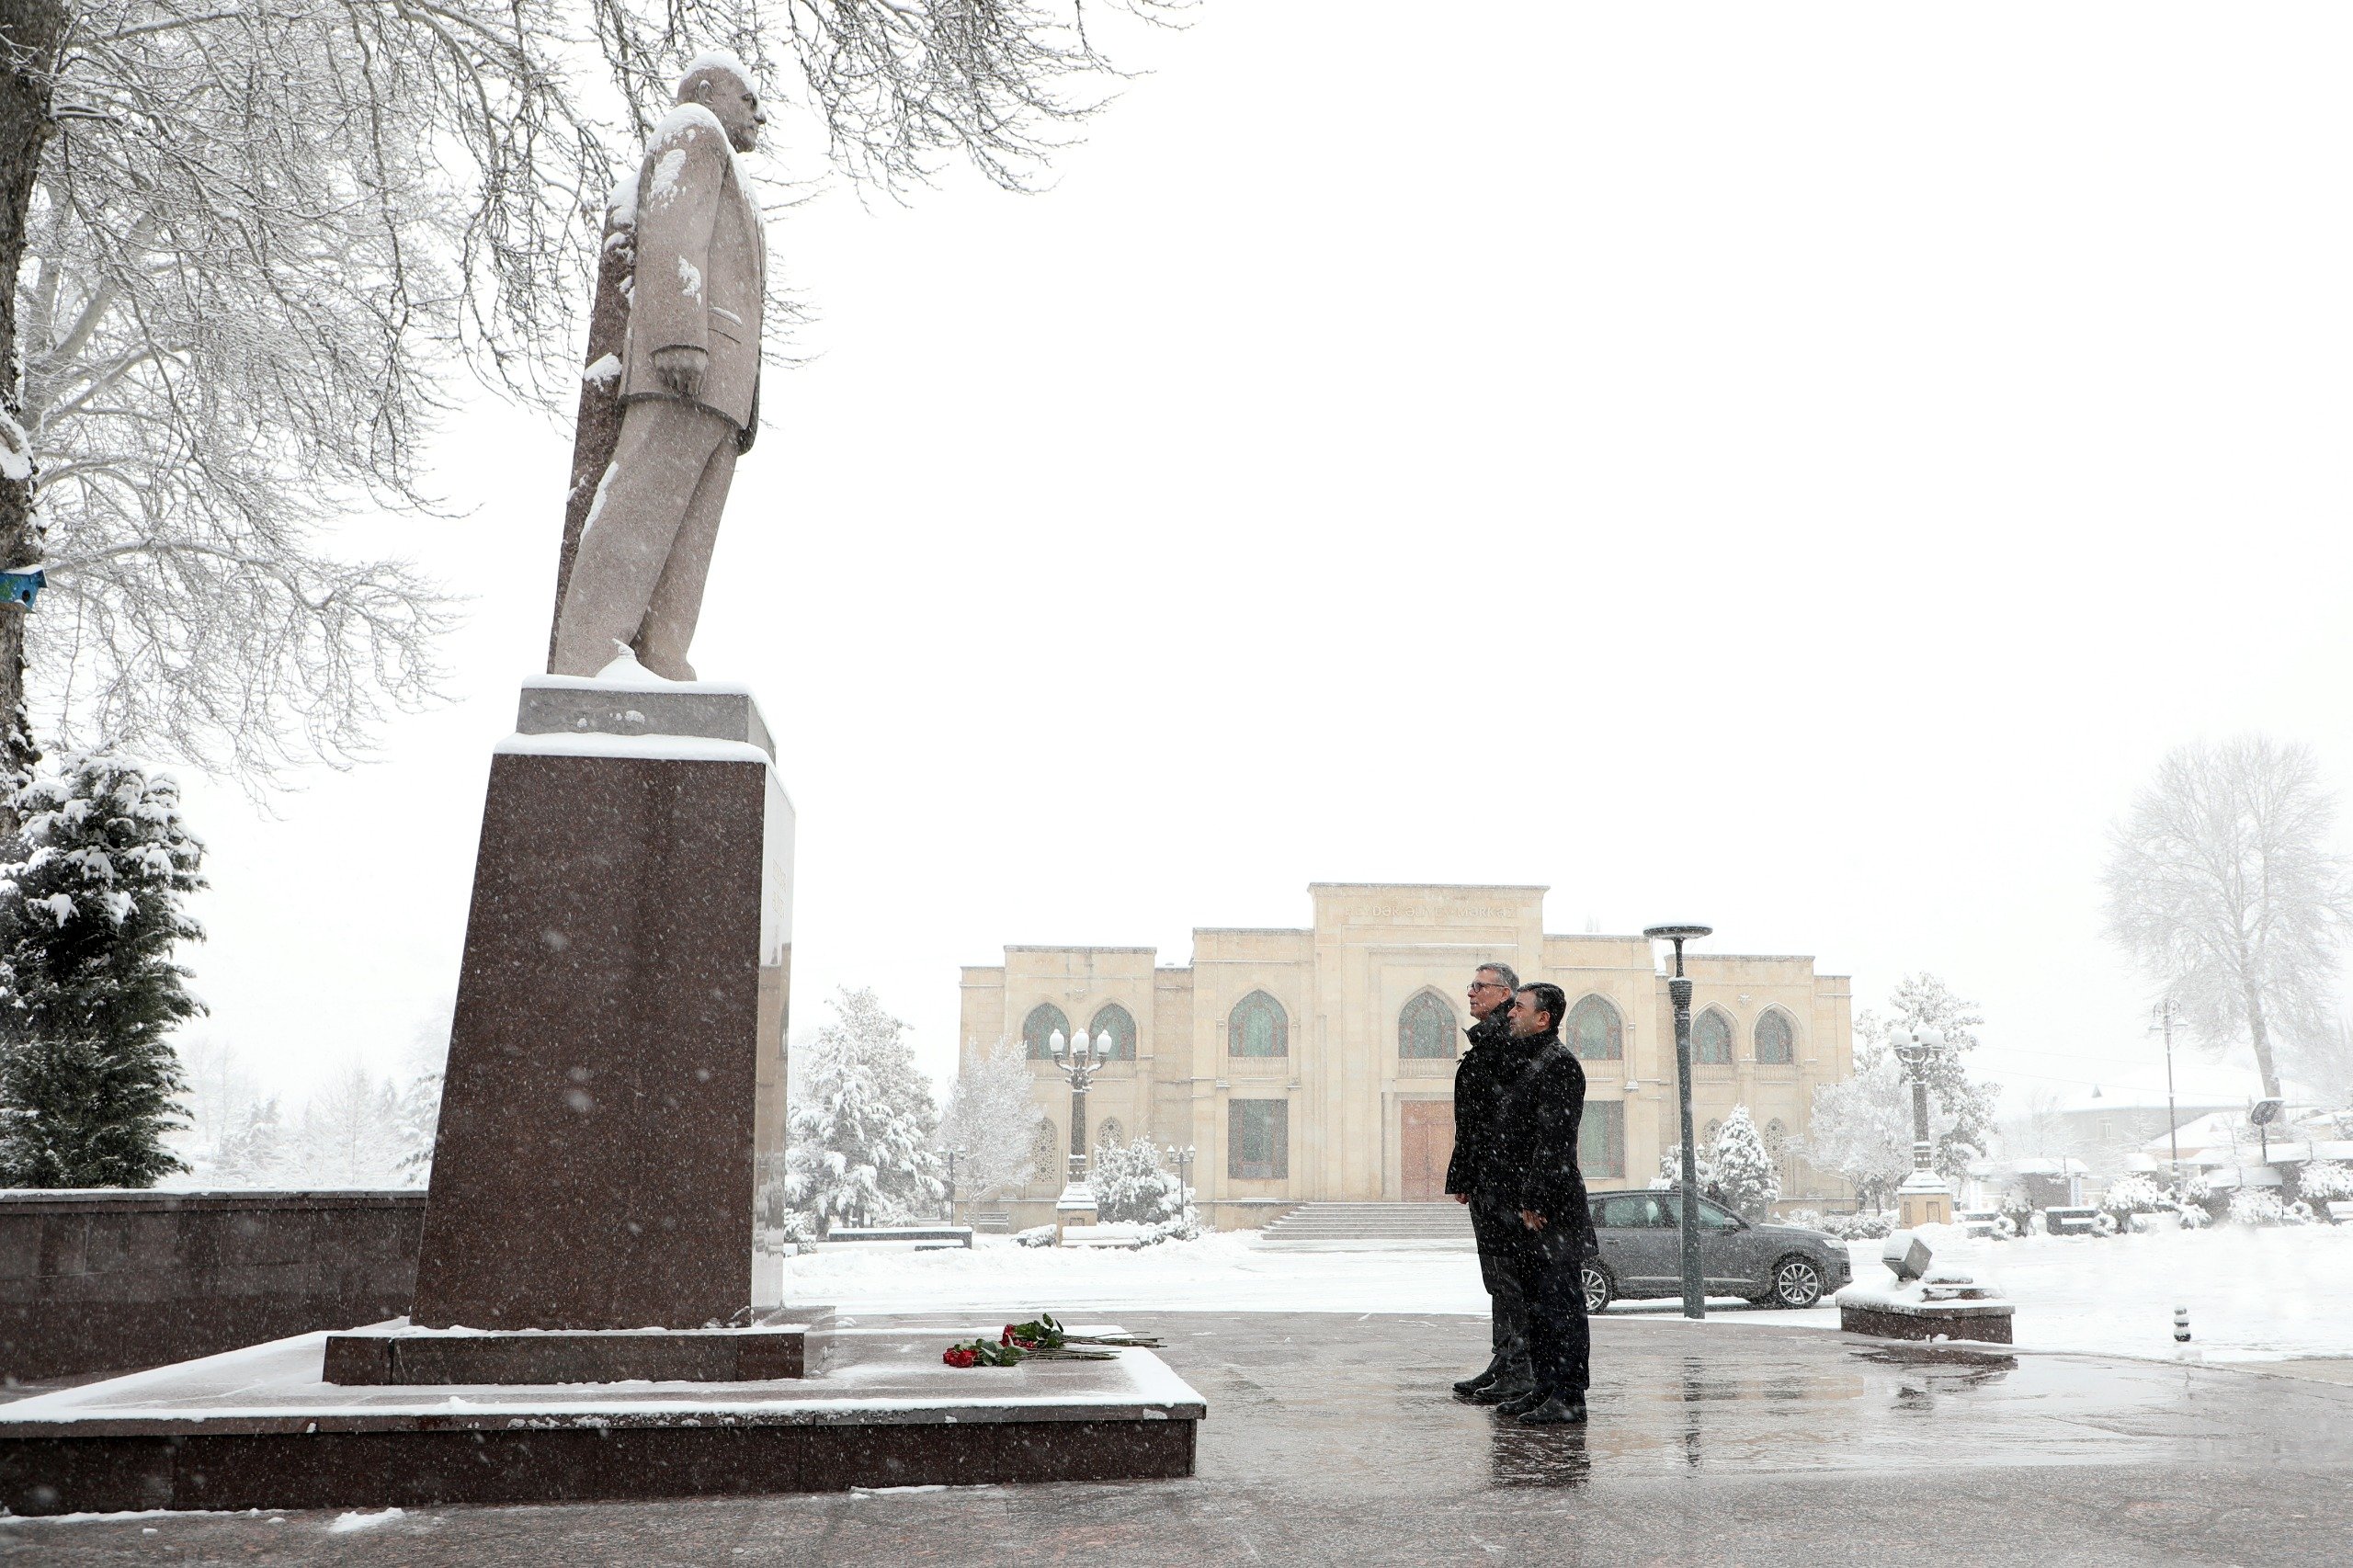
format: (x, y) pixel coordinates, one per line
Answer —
(2181, 1325)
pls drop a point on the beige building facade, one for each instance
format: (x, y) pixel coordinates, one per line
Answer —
(1318, 1064)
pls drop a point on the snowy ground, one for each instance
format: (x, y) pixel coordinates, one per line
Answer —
(2253, 1295)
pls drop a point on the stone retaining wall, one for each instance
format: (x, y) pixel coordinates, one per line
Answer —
(110, 1280)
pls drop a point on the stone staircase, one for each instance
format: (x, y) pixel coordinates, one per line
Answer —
(1346, 1227)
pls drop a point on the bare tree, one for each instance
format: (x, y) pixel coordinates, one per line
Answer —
(2221, 885)
(991, 1121)
(240, 242)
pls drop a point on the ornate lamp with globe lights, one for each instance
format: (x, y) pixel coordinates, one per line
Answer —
(1924, 1199)
(1079, 1061)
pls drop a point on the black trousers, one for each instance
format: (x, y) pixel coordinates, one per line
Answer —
(1549, 1265)
(1499, 1229)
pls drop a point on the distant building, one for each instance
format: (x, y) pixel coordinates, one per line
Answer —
(2103, 1128)
(1318, 1064)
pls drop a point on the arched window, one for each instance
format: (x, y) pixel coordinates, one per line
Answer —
(1594, 1032)
(1258, 1026)
(1777, 1042)
(1045, 1152)
(1039, 1029)
(1111, 1135)
(1426, 1028)
(1711, 1037)
(1121, 1025)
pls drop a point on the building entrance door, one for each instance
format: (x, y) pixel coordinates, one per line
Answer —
(1426, 1137)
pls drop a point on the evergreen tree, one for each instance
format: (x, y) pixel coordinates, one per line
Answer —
(89, 913)
(1744, 1167)
(861, 1145)
(254, 1153)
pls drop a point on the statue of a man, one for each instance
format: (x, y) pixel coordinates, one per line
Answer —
(688, 387)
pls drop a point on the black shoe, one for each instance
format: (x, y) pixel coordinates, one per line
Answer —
(1556, 1410)
(1473, 1385)
(1512, 1382)
(1527, 1399)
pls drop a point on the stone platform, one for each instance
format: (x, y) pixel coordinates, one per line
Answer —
(787, 1342)
(1335, 1441)
(259, 1428)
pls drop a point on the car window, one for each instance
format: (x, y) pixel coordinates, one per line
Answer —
(1633, 1208)
(1711, 1217)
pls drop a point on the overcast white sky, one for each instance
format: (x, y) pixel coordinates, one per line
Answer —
(1794, 468)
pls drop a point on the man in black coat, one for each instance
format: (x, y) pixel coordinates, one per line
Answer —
(1540, 1179)
(1481, 1080)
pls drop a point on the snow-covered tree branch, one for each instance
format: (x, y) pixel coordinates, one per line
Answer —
(241, 243)
(2223, 886)
(991, 1121)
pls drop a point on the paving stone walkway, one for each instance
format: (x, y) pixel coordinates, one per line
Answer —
(1332, 1439)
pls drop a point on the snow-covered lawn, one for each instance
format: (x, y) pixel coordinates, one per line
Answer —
(2253, 1294)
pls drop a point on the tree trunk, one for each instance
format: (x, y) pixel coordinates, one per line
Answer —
(2262, 1038)
(30, 34)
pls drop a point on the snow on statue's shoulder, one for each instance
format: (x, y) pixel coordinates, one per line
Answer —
(680, 125)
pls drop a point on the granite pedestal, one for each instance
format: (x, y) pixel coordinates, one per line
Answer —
(614, 1097)
(595, 1316)
(259, 1428)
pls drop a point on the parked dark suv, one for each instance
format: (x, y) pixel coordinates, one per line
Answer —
(1640, 1235)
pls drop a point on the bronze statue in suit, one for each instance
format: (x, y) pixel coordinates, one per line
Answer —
(687, 386)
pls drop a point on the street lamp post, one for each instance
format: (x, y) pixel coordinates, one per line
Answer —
(1678, 990)
(953, 1155)
(2173, 1116)
(1183, 1159)
(1078, 1059)
(1924, 1199)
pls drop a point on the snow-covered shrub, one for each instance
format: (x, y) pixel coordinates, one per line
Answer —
(1745, 1172)
(1859, 1227)
(2254, 1206)
(1185, 1228)
(1035, 1236)
(2194, 1218)
(1804, 1219)
(2324, 1181)
(2105, 1224)
(2005, 1228)
(2132, 1195)
(1131, 1187)
(2301, 1213)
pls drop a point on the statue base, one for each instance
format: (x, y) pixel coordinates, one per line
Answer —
(788, 1343)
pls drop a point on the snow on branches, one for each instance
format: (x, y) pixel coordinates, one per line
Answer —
(860, 1147)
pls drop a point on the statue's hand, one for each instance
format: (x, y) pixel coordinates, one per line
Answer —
(681, 367)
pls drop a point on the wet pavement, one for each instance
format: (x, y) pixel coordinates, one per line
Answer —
(1332, 1439)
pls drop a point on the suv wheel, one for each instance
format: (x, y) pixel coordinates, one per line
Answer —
(1797, 1282)
(1597, 1288)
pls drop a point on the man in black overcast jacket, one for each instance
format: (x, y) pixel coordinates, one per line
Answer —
(1538, 1176)
(1481, 1080)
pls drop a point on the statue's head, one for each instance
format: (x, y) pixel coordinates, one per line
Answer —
(725, 87)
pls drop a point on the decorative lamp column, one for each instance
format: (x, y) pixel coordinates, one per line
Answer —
(1078, 1061)
(1679, 991)
(950, 1196)
(1924, 1199)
